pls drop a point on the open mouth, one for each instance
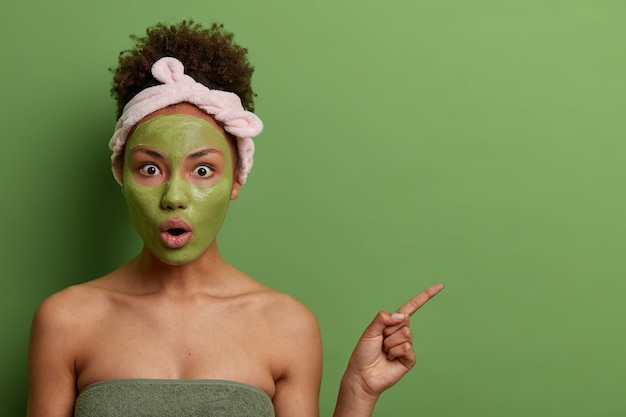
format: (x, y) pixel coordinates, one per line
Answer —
(175, 233)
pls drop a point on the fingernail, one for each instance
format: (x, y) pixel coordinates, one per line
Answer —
(397, 316)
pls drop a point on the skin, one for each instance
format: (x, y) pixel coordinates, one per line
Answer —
(162, 316)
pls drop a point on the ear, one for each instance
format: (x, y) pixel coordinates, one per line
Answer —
(123, 191)
(234, 192)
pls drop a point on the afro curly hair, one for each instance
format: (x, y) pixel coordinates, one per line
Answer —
(210, 56)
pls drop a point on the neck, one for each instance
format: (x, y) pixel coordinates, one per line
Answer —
(207, 273)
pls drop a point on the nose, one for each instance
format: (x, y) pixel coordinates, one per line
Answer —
(175, 196)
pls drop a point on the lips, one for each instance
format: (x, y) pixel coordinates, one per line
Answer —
(175, 233)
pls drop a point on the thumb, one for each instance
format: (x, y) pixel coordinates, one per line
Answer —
(383, 320)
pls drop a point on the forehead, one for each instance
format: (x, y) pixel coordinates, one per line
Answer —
(177, 134)
(184, 108)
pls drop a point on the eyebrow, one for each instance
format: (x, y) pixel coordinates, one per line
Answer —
(150, 152)
(203, 152)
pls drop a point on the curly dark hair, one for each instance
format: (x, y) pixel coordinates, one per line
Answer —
(210, 56)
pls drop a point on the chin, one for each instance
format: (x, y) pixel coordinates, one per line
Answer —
(177, 260)
(177, 256)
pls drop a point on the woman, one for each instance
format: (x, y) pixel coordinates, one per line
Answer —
(177, 330)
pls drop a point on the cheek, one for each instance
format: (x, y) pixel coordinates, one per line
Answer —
(210, 204)
(144, 200)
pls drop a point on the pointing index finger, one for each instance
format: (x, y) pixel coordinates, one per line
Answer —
(420, 299)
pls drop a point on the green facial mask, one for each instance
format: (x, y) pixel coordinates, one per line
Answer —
(175, 209)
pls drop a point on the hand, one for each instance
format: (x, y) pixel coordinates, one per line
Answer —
(384, 353)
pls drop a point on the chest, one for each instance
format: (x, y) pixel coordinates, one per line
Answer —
(180, 342)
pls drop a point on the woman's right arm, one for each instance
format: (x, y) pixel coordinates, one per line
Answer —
(51, 375)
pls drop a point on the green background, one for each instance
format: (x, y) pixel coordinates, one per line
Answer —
(407, 142)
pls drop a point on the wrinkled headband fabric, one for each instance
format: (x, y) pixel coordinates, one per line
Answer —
(178, 87)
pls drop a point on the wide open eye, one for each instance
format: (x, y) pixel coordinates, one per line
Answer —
(150, 170)
(203, 171)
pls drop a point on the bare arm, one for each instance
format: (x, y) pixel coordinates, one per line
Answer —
(382, 356)
(297, 389)
(52, 382)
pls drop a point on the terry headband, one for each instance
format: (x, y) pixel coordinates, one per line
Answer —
(178, 87)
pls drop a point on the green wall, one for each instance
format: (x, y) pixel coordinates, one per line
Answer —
(479, 143)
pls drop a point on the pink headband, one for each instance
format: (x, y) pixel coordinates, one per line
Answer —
(177, 87)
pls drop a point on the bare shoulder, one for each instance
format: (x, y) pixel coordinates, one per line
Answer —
(276, 306)
(292, 332)
(284, 311)
(62, 307)
(70, 309)
(291, 312)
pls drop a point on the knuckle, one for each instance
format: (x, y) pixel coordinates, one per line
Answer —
(386, 346)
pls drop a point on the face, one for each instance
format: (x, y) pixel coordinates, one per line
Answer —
(178, 181)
